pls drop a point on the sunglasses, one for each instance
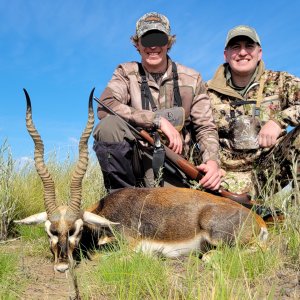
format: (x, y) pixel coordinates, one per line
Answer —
(154, 38)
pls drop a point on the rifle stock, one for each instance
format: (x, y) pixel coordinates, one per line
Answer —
(193, 173)
(182, 164)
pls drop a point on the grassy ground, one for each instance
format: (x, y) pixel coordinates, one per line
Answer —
(8, 270)
(118, 273)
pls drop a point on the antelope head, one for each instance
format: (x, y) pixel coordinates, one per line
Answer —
(63, 223)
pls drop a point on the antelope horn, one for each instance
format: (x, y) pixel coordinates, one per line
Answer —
(80, 169)
(49, 188)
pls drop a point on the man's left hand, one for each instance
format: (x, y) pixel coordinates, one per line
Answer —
(268, 134)
(213, 175)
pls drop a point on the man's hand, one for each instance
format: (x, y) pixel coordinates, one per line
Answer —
(213, 175)
(268, 134)
(175, 142)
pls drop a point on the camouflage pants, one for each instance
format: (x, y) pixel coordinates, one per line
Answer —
(279, 166)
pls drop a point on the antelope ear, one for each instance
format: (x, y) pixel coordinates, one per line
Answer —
(34, 219)
(94, 219)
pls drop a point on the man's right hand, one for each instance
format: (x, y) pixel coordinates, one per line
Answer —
(213, 175)
(175, 142)
(269, 134)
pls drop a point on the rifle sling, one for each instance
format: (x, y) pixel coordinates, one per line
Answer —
(158, 159)
(146, 93)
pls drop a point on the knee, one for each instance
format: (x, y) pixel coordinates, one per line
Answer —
(110, 129)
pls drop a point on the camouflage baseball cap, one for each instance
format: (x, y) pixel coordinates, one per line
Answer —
(242, 30)
(152, 21)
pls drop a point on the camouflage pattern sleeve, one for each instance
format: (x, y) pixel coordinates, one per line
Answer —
(118, 96)
(203, 124)
(290, 113)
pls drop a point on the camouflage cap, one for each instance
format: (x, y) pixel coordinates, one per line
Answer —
(242, 30)
(152, 21)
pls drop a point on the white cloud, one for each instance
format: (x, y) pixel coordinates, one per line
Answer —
(74, 141)
(24, 161)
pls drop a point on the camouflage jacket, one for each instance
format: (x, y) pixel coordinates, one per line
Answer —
(123, 95)
(278, 95)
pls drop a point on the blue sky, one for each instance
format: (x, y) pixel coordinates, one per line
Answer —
(60, 50)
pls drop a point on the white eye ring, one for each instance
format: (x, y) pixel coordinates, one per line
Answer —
(73, 239)
(53, 238)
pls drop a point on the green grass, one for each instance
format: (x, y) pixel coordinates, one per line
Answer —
(231, 273)
(9, 288)
(125, 275)
(119, 273)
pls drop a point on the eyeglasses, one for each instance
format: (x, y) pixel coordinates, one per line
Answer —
(154, 38)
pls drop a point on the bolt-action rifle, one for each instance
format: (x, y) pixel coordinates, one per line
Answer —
(190, 170)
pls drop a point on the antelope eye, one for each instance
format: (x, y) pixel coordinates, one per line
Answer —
(71, 231)
(54, 232)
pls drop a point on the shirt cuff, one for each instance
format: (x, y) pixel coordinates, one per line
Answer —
(156, 121)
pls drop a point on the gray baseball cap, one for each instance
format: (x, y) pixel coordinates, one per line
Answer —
(152, 21)
(242, 30)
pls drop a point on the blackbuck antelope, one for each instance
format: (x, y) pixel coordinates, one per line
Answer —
(166, 221)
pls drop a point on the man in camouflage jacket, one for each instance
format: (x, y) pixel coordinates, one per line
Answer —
(253, 108)
(115, 143)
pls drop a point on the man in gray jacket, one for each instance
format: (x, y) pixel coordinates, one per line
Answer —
(156, 94)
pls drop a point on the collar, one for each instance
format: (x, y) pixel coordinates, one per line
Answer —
(219, 82)
(241, 90)
(168, 74)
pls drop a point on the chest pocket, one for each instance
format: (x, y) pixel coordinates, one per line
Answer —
(221, 114)
(270, 108)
